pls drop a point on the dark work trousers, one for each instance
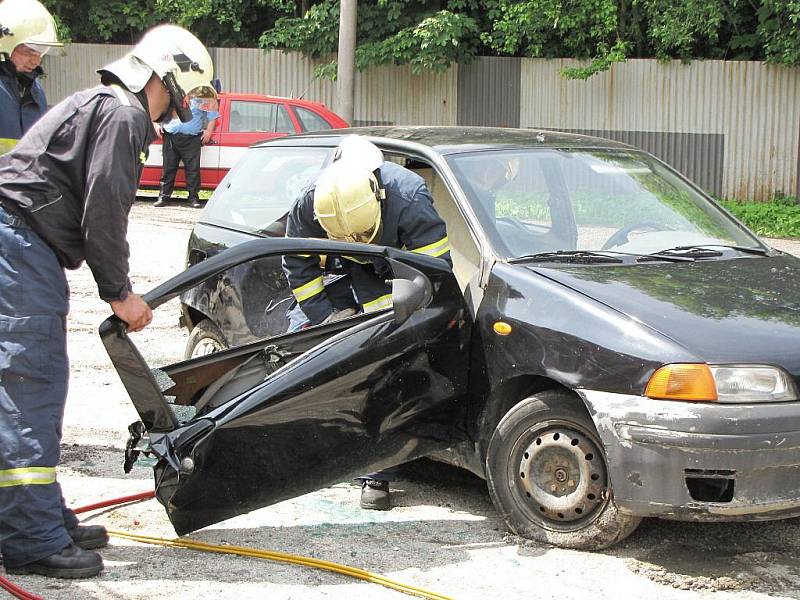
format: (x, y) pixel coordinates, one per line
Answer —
(34, 301)
(179, 147)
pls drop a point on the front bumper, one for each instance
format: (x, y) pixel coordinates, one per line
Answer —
(700, 461)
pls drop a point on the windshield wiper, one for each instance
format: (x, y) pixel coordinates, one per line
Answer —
(708, 250)
(608, 255)
(588, 256)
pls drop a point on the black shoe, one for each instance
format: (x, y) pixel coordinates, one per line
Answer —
(375, 494)
(89, 537)
(197, 204)
(161, 202)
(71, 563)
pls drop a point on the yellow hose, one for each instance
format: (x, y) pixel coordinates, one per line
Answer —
(283, 557)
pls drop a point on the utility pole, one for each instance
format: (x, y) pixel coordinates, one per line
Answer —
(345, 75)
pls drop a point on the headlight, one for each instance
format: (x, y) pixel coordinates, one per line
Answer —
(723, 383)
(753, 384)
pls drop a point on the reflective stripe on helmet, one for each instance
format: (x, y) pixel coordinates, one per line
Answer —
(27, 476)
(378, 304)
(306, 291)
(435, 249)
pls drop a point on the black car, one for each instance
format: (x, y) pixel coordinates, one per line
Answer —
(609, 345)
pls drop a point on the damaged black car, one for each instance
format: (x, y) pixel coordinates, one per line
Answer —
(609, 345)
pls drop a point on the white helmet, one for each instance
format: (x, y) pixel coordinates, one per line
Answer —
(26, 22)
(358, 150)
(347, 203)
(177, 57)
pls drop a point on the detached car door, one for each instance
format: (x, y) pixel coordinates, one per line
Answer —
(284, 416)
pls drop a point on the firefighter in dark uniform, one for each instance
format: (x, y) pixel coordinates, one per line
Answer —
(65, 193)
(31, 33)
(361, 198)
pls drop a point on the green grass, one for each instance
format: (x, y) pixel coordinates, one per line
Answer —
(778, 218)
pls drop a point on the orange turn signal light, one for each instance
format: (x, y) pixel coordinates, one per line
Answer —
(693, 382)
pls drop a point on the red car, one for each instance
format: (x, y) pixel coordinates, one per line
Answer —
(244, 120)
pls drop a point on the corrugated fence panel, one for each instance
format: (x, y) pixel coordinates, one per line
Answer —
(250, 70)
(488, 92)
(731, 126)
(75, 69)
(395, 96)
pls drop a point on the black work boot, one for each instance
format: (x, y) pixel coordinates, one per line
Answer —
(375, 494)
(89, 537)
(195, 203)
(71, 563)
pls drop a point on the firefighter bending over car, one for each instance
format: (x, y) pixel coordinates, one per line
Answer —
(360, 198)
(65, 193)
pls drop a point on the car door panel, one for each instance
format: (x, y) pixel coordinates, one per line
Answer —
(375, 393)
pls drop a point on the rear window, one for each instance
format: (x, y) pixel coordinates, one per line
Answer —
(311, 121)
(258, 192)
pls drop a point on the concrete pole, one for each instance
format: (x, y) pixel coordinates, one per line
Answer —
(345, 76)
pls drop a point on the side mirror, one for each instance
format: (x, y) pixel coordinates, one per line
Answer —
(408, 295)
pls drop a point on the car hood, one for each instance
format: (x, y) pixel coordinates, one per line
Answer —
(744, 310)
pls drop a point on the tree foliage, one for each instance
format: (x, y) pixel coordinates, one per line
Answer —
(431, 34)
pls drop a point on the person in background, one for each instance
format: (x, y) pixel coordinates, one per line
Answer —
(185, 141)
(65, 193)
(360, 198)
(27, 33)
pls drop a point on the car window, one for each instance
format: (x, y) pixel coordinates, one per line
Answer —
(261, 188)
(259, 116)
(543, 200)
(309, 120)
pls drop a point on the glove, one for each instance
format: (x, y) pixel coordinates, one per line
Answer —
(338, 315)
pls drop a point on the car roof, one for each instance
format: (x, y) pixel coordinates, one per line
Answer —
(262, 97)
(453, 140)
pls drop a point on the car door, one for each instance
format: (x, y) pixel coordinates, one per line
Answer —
(282, 417)
(248, 121)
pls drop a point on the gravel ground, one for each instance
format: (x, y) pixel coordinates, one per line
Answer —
(444, 534)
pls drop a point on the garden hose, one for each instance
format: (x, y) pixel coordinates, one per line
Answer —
(304, 561)
(255, 552)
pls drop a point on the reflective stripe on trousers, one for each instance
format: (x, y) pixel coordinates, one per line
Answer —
(33, 389)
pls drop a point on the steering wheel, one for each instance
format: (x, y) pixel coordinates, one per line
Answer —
(620, 236)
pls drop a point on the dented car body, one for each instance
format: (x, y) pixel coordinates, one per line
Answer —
(609, 345)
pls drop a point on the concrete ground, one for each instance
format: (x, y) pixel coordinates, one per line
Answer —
(444, 535)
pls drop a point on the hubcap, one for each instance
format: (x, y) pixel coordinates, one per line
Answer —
(560, 476)
(206, 346)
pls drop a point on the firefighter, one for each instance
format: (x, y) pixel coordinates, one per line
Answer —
(360, 198)
(27, 32)
(65, 193)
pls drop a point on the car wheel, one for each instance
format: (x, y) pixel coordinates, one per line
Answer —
(548, 476)
(204, 339)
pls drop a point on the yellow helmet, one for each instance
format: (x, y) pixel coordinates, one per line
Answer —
(177, 57)
(26, 22)
(347, 202)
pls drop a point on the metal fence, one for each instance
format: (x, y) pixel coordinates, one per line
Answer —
(733, 127)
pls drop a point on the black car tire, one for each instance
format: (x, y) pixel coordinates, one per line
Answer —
(205, 336)
(547, 475)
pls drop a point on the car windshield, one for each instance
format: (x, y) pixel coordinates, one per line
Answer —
(533, 201)
(262, 186)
